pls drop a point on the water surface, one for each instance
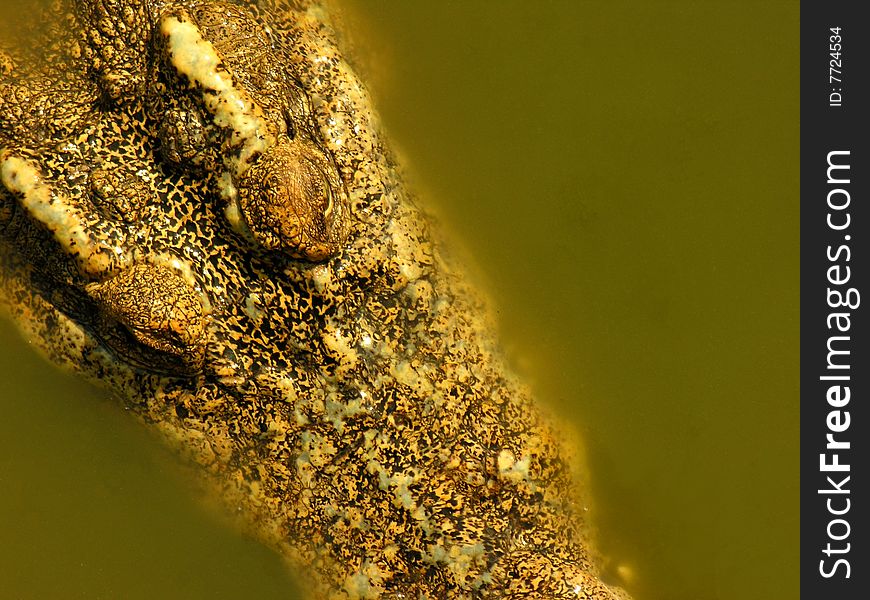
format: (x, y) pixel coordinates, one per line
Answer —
(626, 174)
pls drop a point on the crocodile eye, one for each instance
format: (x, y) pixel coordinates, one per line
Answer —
(152, 316)
(291, 201)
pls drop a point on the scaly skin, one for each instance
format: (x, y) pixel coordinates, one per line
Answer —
(199, 210)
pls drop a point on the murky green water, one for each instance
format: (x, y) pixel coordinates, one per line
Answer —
(626, 174)
(90, 506)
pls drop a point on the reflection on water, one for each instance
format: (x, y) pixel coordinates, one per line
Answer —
(626, 175)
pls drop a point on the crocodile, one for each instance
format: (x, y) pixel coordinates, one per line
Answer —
(200, 210)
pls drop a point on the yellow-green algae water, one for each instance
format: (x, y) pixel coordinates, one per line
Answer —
(626, 176)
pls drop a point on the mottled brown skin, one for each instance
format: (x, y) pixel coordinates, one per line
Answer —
(343, 393)
(291, 198)
(161, 311)
(309, 225)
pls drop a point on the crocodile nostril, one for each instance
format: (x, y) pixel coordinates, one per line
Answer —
(118, 195)
(182, 138)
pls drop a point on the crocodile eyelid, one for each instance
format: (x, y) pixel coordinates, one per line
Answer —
(159, 308)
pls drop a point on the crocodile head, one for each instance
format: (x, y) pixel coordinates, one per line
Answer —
(198, 209)
(161, 194)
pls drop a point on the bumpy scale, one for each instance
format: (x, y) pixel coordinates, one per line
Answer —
(199, 209)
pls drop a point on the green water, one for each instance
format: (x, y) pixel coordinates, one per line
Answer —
(626, 173)
(90, 506)
(626, 176)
